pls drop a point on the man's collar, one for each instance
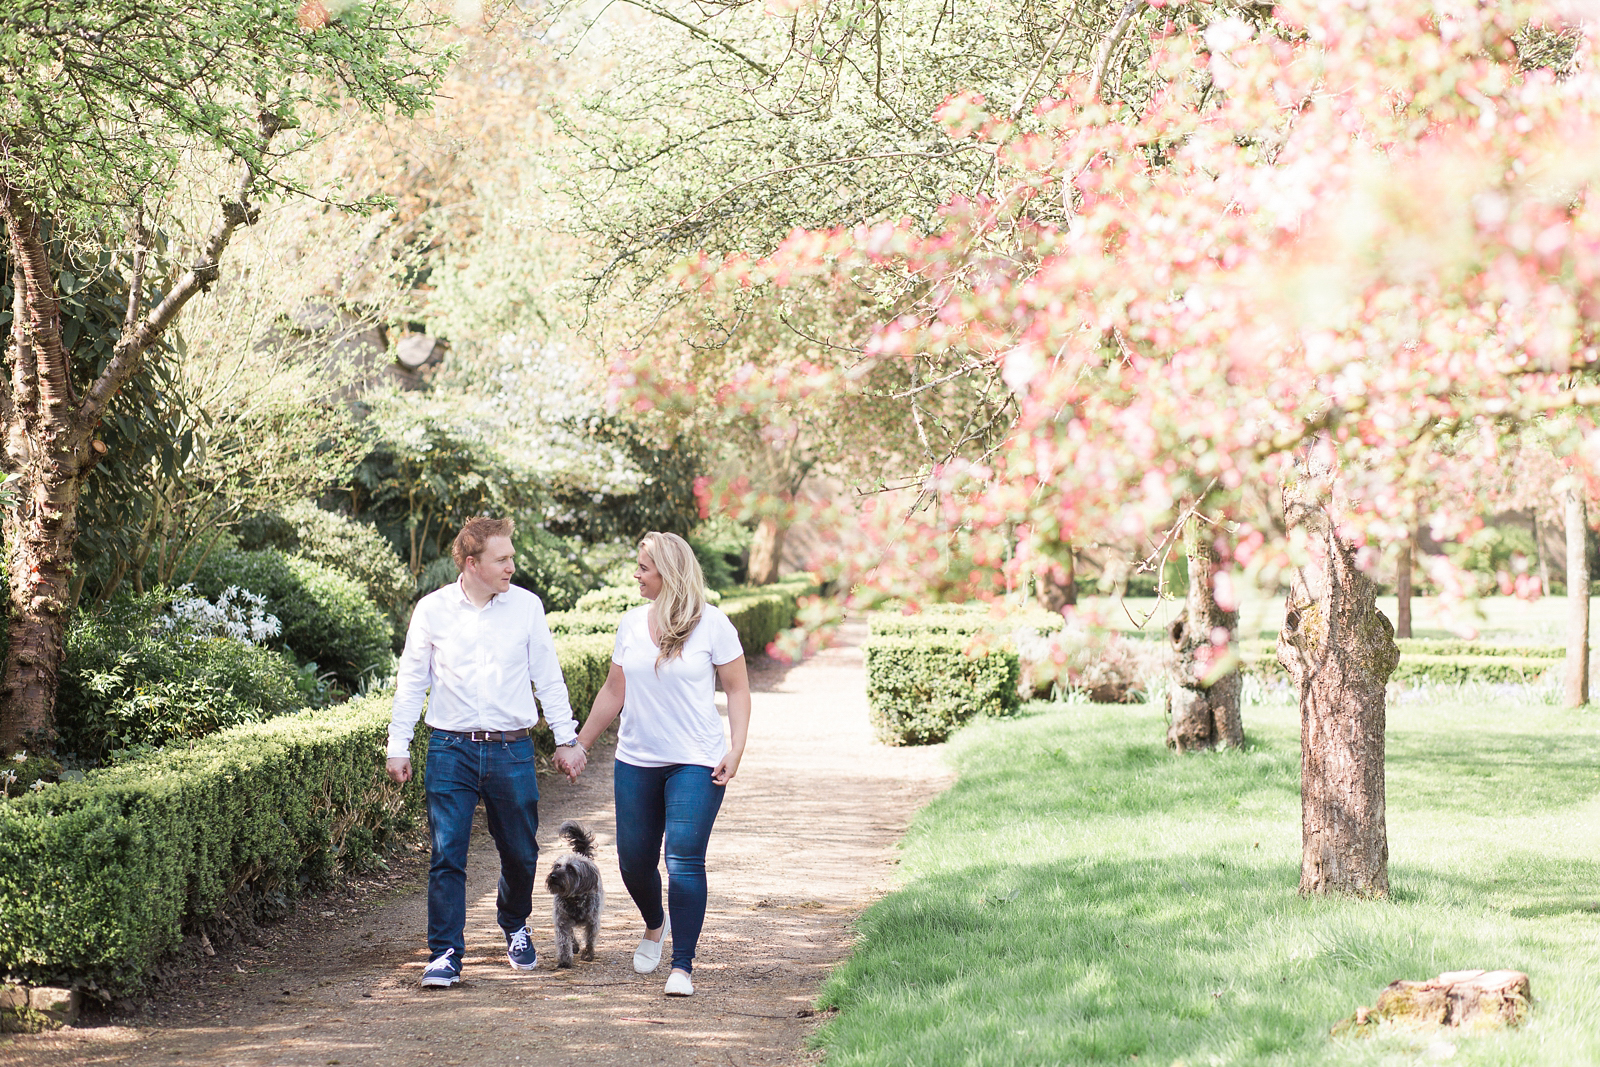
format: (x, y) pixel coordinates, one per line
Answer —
(461, 589)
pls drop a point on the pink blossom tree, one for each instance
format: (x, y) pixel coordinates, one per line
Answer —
(1306, 292)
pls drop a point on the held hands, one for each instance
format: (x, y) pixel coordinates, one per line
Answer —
(723, 773)
(399, 768)
(570, 760)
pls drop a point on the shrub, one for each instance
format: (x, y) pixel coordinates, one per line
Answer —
(1436, 661)
(551, 567)
(327, 618)
(99, 877)
(128, 681)
(353, 548)
(1102, 664)
(922, 688)
(574, 623)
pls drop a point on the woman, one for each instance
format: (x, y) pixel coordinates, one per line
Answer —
(673, 763)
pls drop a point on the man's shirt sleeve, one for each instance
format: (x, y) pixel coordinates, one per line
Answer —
(548, 684)
(413, 680)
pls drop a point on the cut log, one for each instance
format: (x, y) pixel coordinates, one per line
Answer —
(1473, 1000)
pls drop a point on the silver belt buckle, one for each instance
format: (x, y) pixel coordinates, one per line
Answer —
(480, 735)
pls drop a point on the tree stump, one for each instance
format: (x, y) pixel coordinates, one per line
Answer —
(1473, 1000)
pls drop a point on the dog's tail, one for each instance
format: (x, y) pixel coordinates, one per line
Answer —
(582, 840)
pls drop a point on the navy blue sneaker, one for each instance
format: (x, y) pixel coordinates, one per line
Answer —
(520, 950)
(443, 972)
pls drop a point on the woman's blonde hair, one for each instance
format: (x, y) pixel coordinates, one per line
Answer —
(683, 591)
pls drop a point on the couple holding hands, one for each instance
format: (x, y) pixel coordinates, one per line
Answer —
(474, 647)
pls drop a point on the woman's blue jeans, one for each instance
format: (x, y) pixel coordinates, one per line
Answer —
(677, 804)
(457, 774)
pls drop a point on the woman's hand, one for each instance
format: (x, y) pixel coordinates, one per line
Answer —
(723, 773)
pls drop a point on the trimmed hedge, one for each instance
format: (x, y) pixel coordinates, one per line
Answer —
(102, 876)
(975, 621)
(922, 688)
(758, 613)
(99, 877)
(1437, 661)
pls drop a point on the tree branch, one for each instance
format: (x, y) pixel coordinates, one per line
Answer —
(128, 354)
(1130, 9)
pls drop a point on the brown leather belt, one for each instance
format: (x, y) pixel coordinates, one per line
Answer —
(486, 735)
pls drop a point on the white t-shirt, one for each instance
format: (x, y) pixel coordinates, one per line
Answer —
(669, 715)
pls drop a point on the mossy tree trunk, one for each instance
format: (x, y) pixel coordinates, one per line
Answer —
(1402, 590)
(1340, 651)
(766, 551)
(1576, 677)
(1056, 585)
(1202, 704)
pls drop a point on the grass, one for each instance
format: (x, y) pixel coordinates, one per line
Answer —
(1081, 896)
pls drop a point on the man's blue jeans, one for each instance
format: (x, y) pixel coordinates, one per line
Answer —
(457, 774)
(678, 803)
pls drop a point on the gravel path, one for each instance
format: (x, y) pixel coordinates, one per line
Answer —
(805, 840)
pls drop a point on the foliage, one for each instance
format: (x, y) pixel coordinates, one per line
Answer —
(241, 820)
(430, 469)
(721, 546)
(1079, 895)
(138, 674)
(578, 622)
(355, 549)
(661, 499)
(1134, 266)
(585, 663)
(551, 566)
(922, 688)
(327, 618)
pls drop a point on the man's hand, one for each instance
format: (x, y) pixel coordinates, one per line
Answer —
(570, 761)
(399, 768)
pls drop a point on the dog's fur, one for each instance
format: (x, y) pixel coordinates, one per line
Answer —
(574, 880)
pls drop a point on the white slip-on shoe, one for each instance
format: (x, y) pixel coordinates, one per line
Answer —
(647, 957)
(679, 985)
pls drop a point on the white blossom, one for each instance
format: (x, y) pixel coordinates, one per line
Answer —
(238, 615)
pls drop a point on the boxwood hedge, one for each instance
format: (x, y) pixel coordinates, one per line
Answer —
(922, 687)
(100, 877)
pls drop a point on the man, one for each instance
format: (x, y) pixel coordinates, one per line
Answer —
(473, 648)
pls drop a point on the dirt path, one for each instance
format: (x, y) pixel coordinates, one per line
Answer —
(804, 841)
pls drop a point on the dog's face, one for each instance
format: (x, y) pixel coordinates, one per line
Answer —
(573, 876)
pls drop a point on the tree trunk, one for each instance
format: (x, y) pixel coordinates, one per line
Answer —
(1539, 554)
(1340, 651)
(1402, 590)
(47, 429)
(766, 551)
(1057, 592)
(1202, 706)
(1576, 689)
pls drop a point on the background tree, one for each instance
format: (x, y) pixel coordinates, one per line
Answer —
(101, 133)
(1308, 262)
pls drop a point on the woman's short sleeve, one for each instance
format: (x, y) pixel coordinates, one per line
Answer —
(725, 646)
(617, 645)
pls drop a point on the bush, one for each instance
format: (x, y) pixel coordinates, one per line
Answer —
(100, 877)
(922, 688)
(327, 618)
(1436, 661)
(353, 548)
(574, 623)
(551, 567)
(126, 681)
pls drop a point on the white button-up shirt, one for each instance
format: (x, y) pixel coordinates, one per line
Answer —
(479, 668)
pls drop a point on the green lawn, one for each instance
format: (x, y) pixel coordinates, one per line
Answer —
(1082, 896)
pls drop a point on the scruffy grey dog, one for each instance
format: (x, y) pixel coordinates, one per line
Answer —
(574, 880)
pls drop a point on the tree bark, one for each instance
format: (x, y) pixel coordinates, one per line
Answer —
(766, 552)
(48, 440)
(1576, 689)
(1402, 590)
(1055, 594)
(1202, 706)
(1340, 651)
